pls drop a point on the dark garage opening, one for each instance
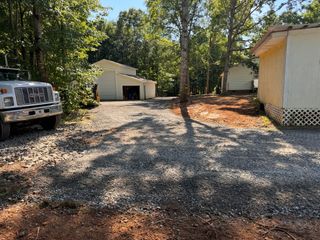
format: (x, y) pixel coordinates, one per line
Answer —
(131, 92)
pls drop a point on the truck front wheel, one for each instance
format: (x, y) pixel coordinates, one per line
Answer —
(4, 130)
(51, 123)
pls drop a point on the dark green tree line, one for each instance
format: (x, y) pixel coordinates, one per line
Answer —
(134, 41)
(184, 45)
(52, 39)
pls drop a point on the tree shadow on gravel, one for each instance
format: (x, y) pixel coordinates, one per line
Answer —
(23, 135)
(179, 174)
(13, 187)
(186, 164)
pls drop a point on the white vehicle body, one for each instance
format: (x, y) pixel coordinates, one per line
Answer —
(22, 100)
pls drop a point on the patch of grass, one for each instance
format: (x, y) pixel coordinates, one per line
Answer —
(65, 204)
(76, 116)
(70, 204)
(266, 121)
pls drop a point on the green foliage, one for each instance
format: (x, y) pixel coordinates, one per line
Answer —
(312, 12)
(295, 12)
(88, 100)
(300, 12)
(68, 32)
(78, 93)
(134, 41)
(177, 19)
(204, 55)
(149, 41)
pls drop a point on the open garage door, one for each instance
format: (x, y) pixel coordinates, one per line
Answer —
(131, 92)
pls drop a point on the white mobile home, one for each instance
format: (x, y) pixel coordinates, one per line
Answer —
(120, 82)
(240, 78)
(289, 78)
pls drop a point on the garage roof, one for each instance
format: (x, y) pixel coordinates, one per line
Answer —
(138, 78)
(276, 34)
(112, 62)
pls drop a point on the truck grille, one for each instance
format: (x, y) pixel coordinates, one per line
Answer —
(33, 95)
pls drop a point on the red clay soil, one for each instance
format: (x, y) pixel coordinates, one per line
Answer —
(239, 111)
(69, 221)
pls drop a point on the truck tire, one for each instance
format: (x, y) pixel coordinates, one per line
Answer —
(51, 123)
(4, 130)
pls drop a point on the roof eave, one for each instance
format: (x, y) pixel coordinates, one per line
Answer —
(281, 29)
(138, 78)
(269, 41)
(113, 62)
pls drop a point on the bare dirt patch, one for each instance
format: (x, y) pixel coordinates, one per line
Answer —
(238, 111)
(65, 221)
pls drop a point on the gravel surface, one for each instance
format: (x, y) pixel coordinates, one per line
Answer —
(140, 154)
(32, 146)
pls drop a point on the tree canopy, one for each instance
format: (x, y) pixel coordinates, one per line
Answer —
(52, 40)
(181, 44)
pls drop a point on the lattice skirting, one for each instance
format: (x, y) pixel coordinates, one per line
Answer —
(301, 117)
(275, 113)
(294, 117)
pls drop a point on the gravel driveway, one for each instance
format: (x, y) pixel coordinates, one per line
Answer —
(141, 155)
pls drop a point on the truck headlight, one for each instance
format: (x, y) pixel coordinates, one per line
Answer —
(8, 101)
(56, 97)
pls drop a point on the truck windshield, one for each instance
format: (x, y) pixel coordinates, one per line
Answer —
(13, 74)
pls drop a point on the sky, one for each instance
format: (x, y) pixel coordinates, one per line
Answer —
(121, 5)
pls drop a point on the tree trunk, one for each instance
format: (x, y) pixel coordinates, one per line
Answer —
(37, 43)
(10, 15)
(232, 10)
(23, 48)
(13, 28)
(184, 42)
(206, 91)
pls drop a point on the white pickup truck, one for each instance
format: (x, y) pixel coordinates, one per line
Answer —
(24, 101)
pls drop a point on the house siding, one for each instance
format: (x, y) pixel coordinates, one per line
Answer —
(302, 86)
(150, 90)
(107, 85)
(240, 78)
(291, 96)
(271, 75)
